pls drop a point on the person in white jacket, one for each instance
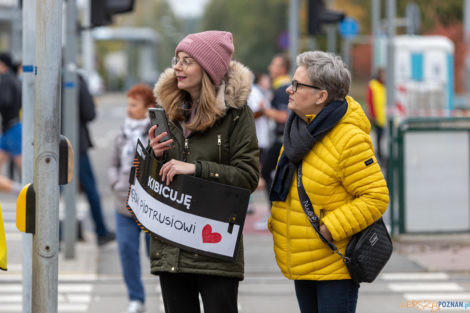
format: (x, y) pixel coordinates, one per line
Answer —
(136, 125)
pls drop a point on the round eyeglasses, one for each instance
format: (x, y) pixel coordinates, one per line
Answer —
(185, 62)
(295, 84)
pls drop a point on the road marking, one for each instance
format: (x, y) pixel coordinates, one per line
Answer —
(80, 288)
(10, 299)
(10, 288)
(70, 297)
(438, 296)
(10, 308)
(415, 276)
(403, 287)
(63, 307)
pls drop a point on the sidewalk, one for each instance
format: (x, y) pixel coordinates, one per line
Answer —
(94, 275)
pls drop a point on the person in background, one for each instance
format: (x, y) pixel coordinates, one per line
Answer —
(86, 176)
(10, 106)
(377, 106)
(136, 125)
(214, 138)
(259, 102)
(278, 112)
(327, 135)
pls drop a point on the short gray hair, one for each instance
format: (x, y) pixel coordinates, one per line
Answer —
(326, 71)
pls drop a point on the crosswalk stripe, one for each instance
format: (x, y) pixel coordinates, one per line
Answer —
(438, 296)
(415, 276)
(10, 308)
(63, 307)
(10, 299)
(403, 287)
(75, 288)
(10, 288)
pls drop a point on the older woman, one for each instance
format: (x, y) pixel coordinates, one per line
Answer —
(327, 134)
(214, 138)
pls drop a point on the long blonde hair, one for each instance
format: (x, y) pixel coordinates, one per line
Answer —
(172, 99)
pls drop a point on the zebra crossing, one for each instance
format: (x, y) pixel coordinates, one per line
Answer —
(75, 293)
(428, 291)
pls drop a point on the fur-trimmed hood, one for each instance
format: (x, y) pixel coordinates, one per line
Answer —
(232, 92)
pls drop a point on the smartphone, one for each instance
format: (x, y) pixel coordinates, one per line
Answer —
(158, 117)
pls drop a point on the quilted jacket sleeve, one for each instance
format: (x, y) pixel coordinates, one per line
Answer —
(362, 178)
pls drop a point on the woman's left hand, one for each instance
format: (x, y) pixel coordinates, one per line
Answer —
(326, 233)
(174, 167)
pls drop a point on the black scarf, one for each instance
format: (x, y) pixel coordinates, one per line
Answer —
(299, 139)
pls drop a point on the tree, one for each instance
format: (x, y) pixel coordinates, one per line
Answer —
(255, 25)
(158, 15)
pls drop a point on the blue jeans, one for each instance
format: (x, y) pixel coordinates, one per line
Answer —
(10, 140)
(328, 296)
(88, 183)
(128, 239)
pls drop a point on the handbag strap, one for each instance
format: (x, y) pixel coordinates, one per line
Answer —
(307, 206)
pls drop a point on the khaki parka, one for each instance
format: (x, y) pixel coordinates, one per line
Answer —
(226, 153)
(348, 192)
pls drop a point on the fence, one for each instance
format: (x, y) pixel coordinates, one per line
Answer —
(429, 175)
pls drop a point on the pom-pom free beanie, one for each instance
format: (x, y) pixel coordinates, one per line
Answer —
(212, 50)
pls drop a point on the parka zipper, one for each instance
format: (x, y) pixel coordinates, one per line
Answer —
(219, 144)
(186, 149)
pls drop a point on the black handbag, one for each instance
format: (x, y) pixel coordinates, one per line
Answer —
(366, 253)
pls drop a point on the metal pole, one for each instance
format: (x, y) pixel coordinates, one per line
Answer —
(331, 38)
(347, 52)
(70, 125)
(293, 32)
(466, 24)
(390, 72)
(16, 33)
(390, 87)
(88, 47)
(27, 96)
(375, 33)
(46, 148)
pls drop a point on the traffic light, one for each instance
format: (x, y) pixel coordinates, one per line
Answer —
(102, 11)
(319, 15)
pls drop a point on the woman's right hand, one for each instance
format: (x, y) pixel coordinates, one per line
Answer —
(159, 147)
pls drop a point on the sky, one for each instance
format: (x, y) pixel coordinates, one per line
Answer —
(187, 8)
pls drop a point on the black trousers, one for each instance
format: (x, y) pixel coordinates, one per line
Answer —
(269, 163)
(180, 293)
(379, 131)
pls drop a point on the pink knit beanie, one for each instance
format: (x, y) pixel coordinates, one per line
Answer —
(212, 50)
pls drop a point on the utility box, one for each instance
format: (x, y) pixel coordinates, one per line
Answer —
(424, 76)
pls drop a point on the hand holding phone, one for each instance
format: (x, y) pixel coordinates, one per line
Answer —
(158, 117)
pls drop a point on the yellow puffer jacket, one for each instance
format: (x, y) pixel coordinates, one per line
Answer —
(3, 245)
(348, 192)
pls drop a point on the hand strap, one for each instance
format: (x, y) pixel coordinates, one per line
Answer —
(312, 217)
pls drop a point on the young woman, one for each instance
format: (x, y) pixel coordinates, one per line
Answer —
(214, 138)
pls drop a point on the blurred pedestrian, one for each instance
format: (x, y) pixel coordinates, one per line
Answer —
(377, 105)
(279, 72)
(10, 106)
(259, 102)
(136, 125)
(214, 138)
(88, 184)
(327, 134)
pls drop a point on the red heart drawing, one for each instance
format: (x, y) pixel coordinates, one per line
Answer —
(208, 236)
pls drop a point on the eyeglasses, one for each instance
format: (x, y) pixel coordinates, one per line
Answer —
(295, 84)
(185, 62)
